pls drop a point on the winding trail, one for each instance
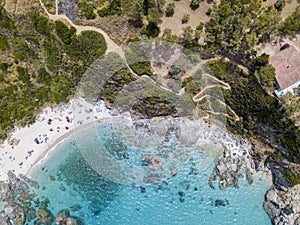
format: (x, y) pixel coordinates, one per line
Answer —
(113, 47)
(110, 43)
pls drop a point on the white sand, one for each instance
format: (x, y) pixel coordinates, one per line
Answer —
(16, 157)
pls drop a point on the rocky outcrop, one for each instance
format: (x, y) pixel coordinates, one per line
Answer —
(45, 216)
(63, 218)
(278, 169)
(6, 192)
(19, 210)
(229, 170)
(13, 214)
(283, 206)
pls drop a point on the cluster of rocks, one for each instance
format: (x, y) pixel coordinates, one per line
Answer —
(22, 203)
(283, 206)
(230, 169)
(282, 202)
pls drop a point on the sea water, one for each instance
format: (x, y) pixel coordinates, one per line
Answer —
(69, 182)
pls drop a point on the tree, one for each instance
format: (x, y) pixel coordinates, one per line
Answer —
(185, 18)
(266, 76)
(151, 30)
(279, 5)
(169, 37)
(170, 9)
(236, 26)
(187, 35)
(291, 25)
(154, 16)
(136, 13)
(3, 43)
(64, 33)
(88, 9)
(261, 61)
(195, 4)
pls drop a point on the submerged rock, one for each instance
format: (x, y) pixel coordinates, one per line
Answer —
(62, 217)
(220, 202)
(45, 216)
(72, 221)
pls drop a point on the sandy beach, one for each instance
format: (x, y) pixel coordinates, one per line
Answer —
(28, 145)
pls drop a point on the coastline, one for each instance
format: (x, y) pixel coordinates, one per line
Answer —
(21, 152)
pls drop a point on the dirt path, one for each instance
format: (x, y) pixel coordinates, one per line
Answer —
(110, 43)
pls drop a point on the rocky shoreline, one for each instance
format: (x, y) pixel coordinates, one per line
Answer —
(23, 206)
(282, 202)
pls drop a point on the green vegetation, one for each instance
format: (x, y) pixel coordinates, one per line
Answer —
(138, 59)
(236, 26)
(50, 5)
(279, 5)
(153, 10)
(170, 9)
(5, 21)
(114, 7)
(64, 32)
(41, 24)
(266, 77)
(3, 43)
(87, 9)
(260, 108)
(153, 106)
(292, 177)
(195, 4)
(45, 68)
(185, 18)
(291, 25)
(87, 47)
(175, 72)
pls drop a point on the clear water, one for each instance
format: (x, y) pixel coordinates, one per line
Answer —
(182, 199)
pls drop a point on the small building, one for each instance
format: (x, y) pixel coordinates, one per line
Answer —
(287, 68)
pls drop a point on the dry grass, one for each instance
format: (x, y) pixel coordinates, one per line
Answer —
(19, 6)
(182, 7)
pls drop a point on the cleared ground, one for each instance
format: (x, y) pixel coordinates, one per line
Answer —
(182, 7)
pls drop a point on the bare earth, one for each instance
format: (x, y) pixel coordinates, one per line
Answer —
(182, 7)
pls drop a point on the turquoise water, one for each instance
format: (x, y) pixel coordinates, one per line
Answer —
(185, 198)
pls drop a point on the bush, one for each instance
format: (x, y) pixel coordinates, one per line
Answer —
(170, 9)
(291, 25)
(88, 46)
(195, 4)
(151, 30)
(114, 8)
(185, 18)
(88, 10)
(5, 21)
(3, 43)
(41, 24)
(23, 75)
(3, 67)
(279, 5)
(64, 33)
(293, 178)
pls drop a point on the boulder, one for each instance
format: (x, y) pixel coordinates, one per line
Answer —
(6, 192)
(15, 213)
(45, 216)
(72, 221)
(62, 217)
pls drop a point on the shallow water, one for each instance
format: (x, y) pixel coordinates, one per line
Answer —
(182, 199)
